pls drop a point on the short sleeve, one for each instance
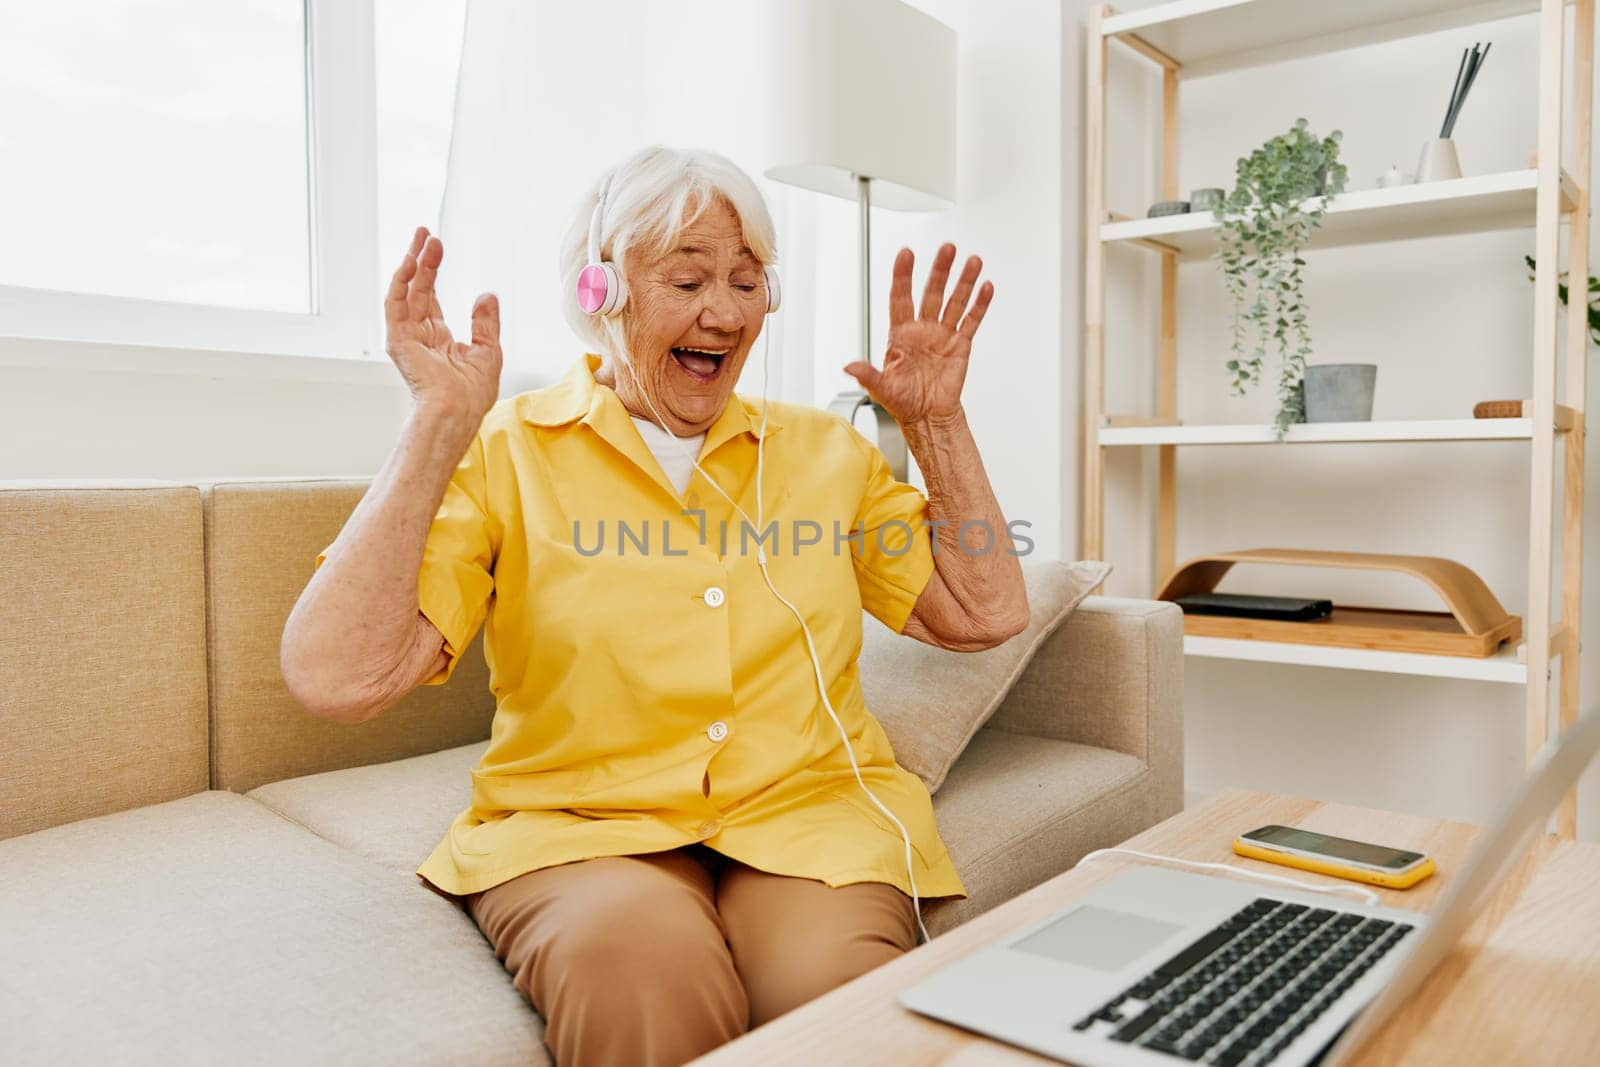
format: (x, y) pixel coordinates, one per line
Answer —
(456, 578)
(894, 554)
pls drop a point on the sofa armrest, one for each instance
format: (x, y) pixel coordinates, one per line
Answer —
(1110, 676)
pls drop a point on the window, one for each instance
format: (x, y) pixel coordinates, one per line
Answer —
(156, 151)
(203, 175)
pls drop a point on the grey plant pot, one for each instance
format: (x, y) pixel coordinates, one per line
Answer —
(1340, 392)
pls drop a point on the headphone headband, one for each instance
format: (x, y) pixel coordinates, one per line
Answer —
(595, 220)
(601, 290)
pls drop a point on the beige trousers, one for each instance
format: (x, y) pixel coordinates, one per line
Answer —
(657, 959)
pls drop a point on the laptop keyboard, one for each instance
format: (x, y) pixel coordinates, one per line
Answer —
(1244, 991)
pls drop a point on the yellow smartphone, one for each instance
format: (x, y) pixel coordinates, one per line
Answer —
(1359, 861)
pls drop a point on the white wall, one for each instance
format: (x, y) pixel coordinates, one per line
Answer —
(95, 423)
(1449, 323)
(1018, 207)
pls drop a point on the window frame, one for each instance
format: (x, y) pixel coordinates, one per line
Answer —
(341, 124)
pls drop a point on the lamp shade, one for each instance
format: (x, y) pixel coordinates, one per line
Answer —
(862, 87)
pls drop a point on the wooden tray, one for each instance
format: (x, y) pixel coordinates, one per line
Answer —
(1475, 626)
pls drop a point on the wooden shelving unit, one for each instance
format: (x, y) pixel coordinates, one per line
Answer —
(1210, 36)
(1112, 436)
(1504, 666)
(1476, 204)
(1194, 38)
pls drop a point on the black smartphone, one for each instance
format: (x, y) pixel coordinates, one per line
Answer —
(1313, 845)
(1286, 608)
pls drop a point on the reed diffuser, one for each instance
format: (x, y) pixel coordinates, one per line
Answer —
(1439, 158)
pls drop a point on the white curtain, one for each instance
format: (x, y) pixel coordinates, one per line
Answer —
(549, 95)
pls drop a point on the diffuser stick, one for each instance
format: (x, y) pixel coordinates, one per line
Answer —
(1470, 55)
(1474, 64)
(1472, 79)
(1444, 127)
(1461, 97)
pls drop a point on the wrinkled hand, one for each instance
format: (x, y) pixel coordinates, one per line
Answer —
(926, 363)
(441, 372)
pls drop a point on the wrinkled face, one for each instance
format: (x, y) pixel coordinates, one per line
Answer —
(695, 313)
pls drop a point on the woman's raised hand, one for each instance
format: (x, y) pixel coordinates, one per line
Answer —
(926, 364)
(441, 372)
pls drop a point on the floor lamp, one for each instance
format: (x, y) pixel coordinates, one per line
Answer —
(863, 106)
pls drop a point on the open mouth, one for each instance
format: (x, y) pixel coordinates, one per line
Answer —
(701, 364)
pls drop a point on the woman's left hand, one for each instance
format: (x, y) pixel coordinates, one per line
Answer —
(926, 364)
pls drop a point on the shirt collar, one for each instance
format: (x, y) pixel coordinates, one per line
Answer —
(579, 397)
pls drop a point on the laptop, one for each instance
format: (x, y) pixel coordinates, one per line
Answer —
(1160, 967)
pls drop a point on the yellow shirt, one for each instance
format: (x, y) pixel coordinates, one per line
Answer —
(651, 691)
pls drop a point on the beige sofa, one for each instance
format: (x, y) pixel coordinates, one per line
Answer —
(195, 870)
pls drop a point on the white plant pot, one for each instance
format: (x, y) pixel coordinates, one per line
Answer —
(1438, 161)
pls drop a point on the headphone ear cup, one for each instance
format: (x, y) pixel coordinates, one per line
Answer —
(617, 286)
(601, 290)
(774, 290)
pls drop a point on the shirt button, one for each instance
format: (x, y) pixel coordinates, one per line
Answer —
(709, 827)
(714, 597)
(717, 731)
(692, 500)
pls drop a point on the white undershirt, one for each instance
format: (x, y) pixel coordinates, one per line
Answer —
(675, 454)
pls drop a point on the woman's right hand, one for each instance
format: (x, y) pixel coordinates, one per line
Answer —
(442, 373)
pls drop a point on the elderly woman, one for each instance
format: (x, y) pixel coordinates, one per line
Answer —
(667, 843)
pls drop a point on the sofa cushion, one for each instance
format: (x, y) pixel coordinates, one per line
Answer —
(931, 701)
(1015, 811)
(390, 813)
(103, 662)
(262, 540)
(1112, 677)
(211, 930)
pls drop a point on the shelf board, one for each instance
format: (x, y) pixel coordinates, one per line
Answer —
(1504, 666)
(1322, 432)
(1211, 36)
(1475, 204)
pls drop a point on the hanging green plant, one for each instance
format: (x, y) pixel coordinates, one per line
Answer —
(1593, 295)
(1262, 227)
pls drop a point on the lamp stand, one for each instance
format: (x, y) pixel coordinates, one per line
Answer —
(891, 441)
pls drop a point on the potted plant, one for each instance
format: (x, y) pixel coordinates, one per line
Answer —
(1263, 225)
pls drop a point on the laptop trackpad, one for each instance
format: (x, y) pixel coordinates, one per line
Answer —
(1097, 937)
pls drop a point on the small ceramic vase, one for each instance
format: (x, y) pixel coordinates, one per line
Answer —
(1438, 162)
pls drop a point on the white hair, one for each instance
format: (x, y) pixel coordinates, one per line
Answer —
(652, 195)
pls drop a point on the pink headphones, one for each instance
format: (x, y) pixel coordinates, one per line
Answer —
(601, 290)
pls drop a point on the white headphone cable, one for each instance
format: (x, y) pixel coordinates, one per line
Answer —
(1366, 895)
(761, 561)
(816, 664)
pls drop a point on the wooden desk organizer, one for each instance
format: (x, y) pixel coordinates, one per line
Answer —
(1475, 625)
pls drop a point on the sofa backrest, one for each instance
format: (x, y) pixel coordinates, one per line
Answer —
(139, 662)
(262, 540)
(103, 658)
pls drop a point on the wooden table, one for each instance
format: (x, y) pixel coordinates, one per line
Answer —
(1523, 987)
